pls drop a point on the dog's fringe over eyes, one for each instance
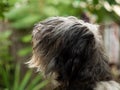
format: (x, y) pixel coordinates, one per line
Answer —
(70, 52)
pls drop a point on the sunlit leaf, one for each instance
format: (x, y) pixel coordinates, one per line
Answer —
(26, 38)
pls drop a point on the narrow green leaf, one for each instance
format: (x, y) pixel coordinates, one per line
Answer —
(5, 78)
(17, 77)
(25, 80)
(34, 82)
(41, 85)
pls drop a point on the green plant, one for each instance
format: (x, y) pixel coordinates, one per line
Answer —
(21, 83)
(5, 58)
(10, 74)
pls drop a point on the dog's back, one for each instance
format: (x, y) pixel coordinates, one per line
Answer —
(111, 85)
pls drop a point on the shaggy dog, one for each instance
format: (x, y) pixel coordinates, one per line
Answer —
(70, 52)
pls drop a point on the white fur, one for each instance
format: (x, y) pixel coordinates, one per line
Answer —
(111, 85)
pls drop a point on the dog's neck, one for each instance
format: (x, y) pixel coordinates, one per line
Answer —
(87, 78)
(79, 85)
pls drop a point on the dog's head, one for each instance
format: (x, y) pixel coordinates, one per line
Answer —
(69, 49)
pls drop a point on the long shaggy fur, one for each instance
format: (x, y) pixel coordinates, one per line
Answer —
(71, 53)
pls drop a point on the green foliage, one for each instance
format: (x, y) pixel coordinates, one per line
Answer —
(100, 10)
(5, 43)
(24, 83)
(24, 13)
(25, 22)
(3, 7)
(26, 38)
(25, 51)
(5, 57)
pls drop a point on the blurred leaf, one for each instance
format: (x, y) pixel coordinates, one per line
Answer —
(3, 7)
(24, 51)
(26, 38)
(41, 85)
(34, 82)
(4, 75)
(5, 34)
(16, 77)
(25, 80)
(12, 2)
(25, 22)
(111, 1)
(50, 11)
(95, 2)
(17, 13)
